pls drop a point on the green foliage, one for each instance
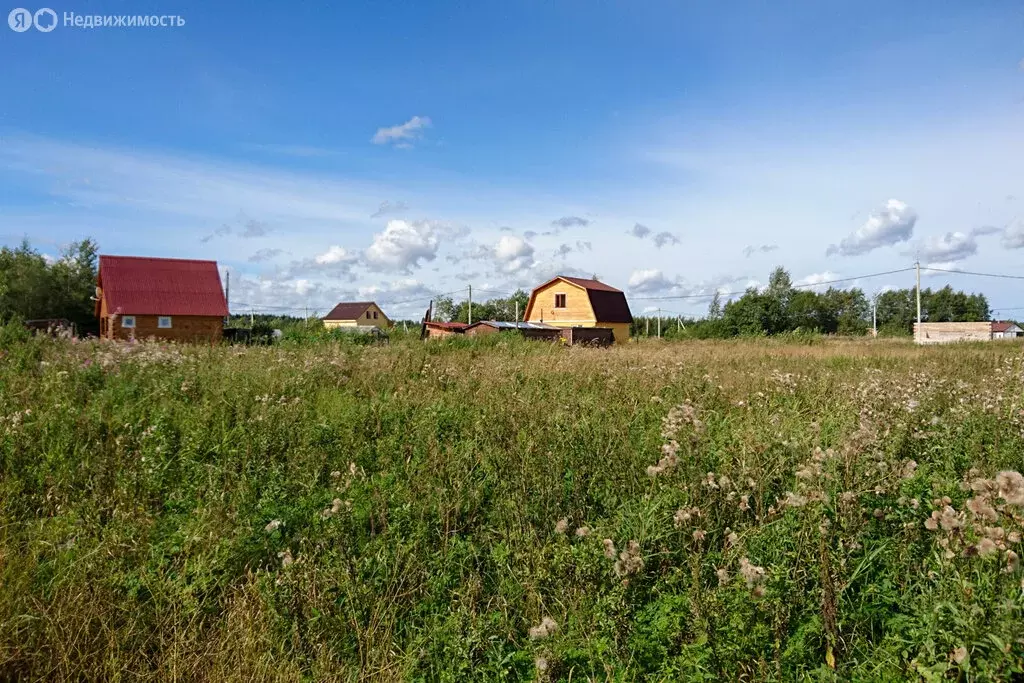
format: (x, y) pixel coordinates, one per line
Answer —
(332, 511)
(33, 288)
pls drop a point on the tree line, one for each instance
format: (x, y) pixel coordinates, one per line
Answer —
(782, 308)
(33, 286)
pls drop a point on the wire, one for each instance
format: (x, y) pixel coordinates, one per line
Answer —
(968, 272)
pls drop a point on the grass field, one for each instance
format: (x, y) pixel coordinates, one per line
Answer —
(840, 510)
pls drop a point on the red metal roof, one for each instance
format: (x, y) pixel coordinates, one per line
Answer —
(134, 285)
(348, 310)
(1001, 326)
(446, 326)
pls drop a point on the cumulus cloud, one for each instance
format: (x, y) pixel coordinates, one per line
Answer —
(751, 249)
(640, 231)
(403, 245)
(816, 281)
(649, 280)
(513, 253)
(948, 248)
(387, 208)
(332, 256)
(1013, 236)
(565, 249)
(265, 255)
(664, 238)
(892, 224)
(403, 134)
(570, 222)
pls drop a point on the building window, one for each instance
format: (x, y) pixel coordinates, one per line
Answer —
(375, 315)
(559, 300)
(164, 322)
(367, 315)
(128, 321)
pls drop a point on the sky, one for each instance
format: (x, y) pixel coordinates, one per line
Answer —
(395, 151)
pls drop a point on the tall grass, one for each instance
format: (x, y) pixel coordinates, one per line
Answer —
(503, 510)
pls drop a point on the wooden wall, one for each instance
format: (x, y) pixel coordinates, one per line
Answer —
(944, 333)
(184, 328)
(577, 309)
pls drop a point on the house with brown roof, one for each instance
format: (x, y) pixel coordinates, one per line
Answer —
(1004, 329)
(356, 314)
(163, 298)
(573, 302)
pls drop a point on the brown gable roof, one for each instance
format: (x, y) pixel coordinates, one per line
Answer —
(1002, 326)
(134, 285)
(609, 304)
(348, 310)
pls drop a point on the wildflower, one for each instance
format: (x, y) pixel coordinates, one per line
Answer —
(731, 539)
(794, 500)
(582, 532)
(541, 664)
(335, 474)
(751, 573)
(699, 535)
(758, 592)
(1012, 562)
(744, 503)
(286, 557)
(909, 467)
(912, 405)
(683, 516)
(1011, 487)
(546, 627)
(273, 526)
(335, 508)
(562, 526)
(723, 576)
(959, 654)
(986, 547)
(932, 523)
(609, 548)
(629, 561)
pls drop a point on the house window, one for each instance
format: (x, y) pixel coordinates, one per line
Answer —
(164, 322)
(559, 300)
(128, 321)
(375, 315)
(367, 315)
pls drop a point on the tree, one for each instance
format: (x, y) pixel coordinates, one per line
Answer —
(33, 287)
(715, 307)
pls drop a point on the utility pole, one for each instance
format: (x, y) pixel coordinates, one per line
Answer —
(227, 292)
(917, 330)
(647, 326)
(469, 319)
(252, 315)
(517, 311)
(874, 316)
(659, 323)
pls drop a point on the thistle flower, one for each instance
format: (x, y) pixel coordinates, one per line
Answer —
(562, 526)
(609, 548)
(699, 535)
(273, 526)
(959, 654)
(986, 547)
(751, 573)
(1012, 562)
(546, 627)
(582, 532)
(1011, 487)
(286, 557)
(629, 561)
(723, 576)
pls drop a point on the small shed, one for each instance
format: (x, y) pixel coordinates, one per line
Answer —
(1004, 329)
(440, 330)
(589, 336)
(526, 329)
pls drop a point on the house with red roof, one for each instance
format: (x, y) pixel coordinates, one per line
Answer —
(573, 302)
(356, 314)
(162, 298)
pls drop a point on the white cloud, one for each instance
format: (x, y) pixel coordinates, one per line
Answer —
(890, 225)
(388, 207)
(948, 248)
(265, 255)
(403, 245)
(513, 253)
(303, 287)
(332, 256)
(1013, 236)
(402, 134)
(649, 280)
(815, 280)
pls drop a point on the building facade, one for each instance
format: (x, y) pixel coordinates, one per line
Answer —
(578, 302)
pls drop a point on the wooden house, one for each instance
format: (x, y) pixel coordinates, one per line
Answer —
(162, 298)
(356, 314)
(568, 302)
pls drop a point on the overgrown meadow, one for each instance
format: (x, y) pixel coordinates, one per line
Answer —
(506, 510)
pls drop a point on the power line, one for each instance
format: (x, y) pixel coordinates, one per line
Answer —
(968, 272)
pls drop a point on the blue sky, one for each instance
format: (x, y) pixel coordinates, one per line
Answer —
(392, 151)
